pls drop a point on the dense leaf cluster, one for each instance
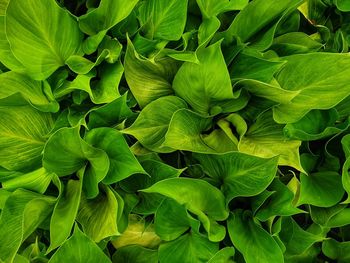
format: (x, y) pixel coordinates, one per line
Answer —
(174, 131)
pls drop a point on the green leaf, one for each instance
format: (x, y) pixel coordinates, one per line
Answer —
(65, 153)
(209, 80)
(247, 66)
(22, 214)
(102, 18)
(225, 255)
(194, 194)
(255, 244)
(265, 139)
(200, 198)
(257, 15)
(315, 125)
(110, 114)
(22, 137)
(279, 203)
(102, 91)
(172, 220)
(79, 248)
(343, 5)
(316, 83)
(345, 169)
(296, 240)
(64, 213)
(240, 174)
(323, 189)
(295, 43)
(148, 79)
(210, 8)
(186, 132)
(34, 42)
(135, 254)
(99, 216)
(18, 89)
(122, 163)
(137, 233)
(152, 124)
(190, 247)
(156, 171)
(163, 20)
(338, 251)
(6, 56)
(37, 181)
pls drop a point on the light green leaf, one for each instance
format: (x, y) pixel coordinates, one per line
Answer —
(197, 195)
(99, 216)
(205, 84)
(240, 174)
(6, 56)
(64, 213)
(148, 79)
(345, 169)
(211, 8)
(225, 255)
(265, 139)
(18, 89)
(152, 124)
(39, 48)
(102, 18)
(22, 214)
(79, 248)
(137, 233)
(316, 83)
(122, 163)
(186, 132)
(135, 254)
(37, 180)
(163, 19)
(190, 247)
(255, 244)
(22, 137)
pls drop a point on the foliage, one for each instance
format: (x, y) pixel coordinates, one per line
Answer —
(174, 131)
